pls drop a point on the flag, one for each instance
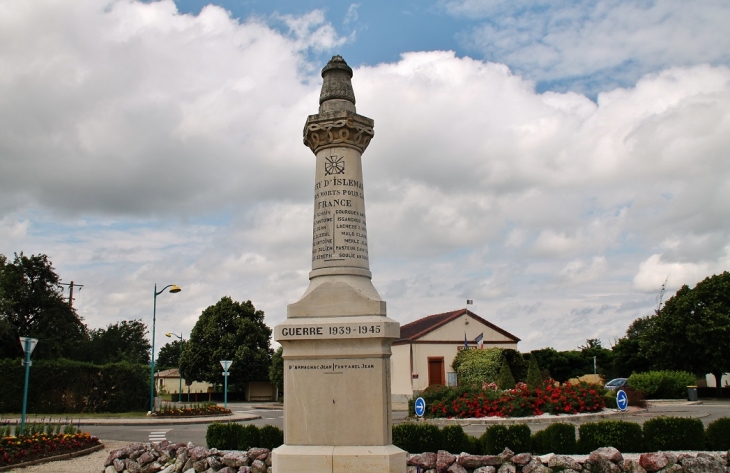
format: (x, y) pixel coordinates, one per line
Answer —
(469, 302)
(480, 340)
(466, 343)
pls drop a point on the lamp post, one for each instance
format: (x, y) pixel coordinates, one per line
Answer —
(174, 290)
(179, 375)
(28, 345)
(225, 364)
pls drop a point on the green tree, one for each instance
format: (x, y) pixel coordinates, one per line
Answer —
(517, 364)
(276, 370)
(628, 355)
(534, 379)
(32, 305)
(604, 359)
(169, 356)
(505, 380)
(122, 341)
(228, 330)
(691, 332)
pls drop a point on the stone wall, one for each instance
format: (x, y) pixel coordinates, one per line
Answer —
(181, 458)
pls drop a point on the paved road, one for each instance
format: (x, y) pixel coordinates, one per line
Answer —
(707, 412)
(180, 433)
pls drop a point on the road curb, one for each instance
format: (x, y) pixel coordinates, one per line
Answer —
(533, 420)
(169, 420)
(65, 456)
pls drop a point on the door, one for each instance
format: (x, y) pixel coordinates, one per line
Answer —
(436, 373)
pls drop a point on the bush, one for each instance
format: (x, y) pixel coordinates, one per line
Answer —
(506, 380)
(271, 437)
(66, 387)
(249, 437)
(625, 436)
(453, 439)
(474, 367)
(498, 437)
(662, 384)
(557, 438)
(223, 436)
(534, 379)
(674, 433)
(417, 437)
(610, 399)
(718, 434)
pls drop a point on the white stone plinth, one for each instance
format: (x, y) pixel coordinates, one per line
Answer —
(342, 459)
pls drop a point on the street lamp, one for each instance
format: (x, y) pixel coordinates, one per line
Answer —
(179, 375)
(226, 364)
(28, 345)
(173, 289)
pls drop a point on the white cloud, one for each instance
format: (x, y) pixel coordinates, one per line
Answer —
(601, 43)
(140, 146)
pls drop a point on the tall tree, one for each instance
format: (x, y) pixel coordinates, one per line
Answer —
(123, 341)
(228, 330)
(692, 330)
(169, 356)
(32, 305)
(276, 370)
(628, 354)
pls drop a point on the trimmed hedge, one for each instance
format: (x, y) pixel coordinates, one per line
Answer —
(663, 384)
(673, 433)
(625, 436)
(417, 437)
(232, 436)
(67, 387)
(718, 434)
(557, 438)
(516, 437)
(454, 439)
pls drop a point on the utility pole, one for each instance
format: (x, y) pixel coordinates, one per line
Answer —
(71, 291)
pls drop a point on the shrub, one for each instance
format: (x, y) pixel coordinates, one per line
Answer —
(417, 437)
(662, 384)
(625, 436)
(270, 437)
(534, 379)
(223, 436)
(506, 380)
(718, 434)
(474, 367)
(557, 438)
(249, 437)
(674, 433)
(610, 399)
(498, 437)
(453, 439)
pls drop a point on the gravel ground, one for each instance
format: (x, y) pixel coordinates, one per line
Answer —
(91, 463)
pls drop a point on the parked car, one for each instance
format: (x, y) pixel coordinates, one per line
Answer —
(616, 384)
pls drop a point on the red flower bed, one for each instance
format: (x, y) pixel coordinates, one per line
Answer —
(521, 402)
(25, 448)
(192, 411)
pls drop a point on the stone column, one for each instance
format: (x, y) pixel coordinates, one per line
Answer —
(337, 337)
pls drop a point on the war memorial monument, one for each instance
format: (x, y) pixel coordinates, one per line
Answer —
(337, 338)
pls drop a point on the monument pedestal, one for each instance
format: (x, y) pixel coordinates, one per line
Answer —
(343, 459)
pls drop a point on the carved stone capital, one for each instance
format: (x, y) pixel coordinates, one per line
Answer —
(339, 129)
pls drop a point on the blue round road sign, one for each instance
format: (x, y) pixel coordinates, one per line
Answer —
(622, 400)
(420, 407)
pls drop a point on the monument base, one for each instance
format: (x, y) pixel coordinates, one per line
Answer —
(341, 459)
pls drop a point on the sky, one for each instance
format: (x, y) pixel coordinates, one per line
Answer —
(556, 162)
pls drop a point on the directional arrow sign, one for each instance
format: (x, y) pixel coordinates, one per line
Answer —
(420, 407)
(226, 364)
(622, 400)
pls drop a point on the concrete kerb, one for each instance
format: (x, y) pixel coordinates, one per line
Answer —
(612, 413)
(152, 421)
